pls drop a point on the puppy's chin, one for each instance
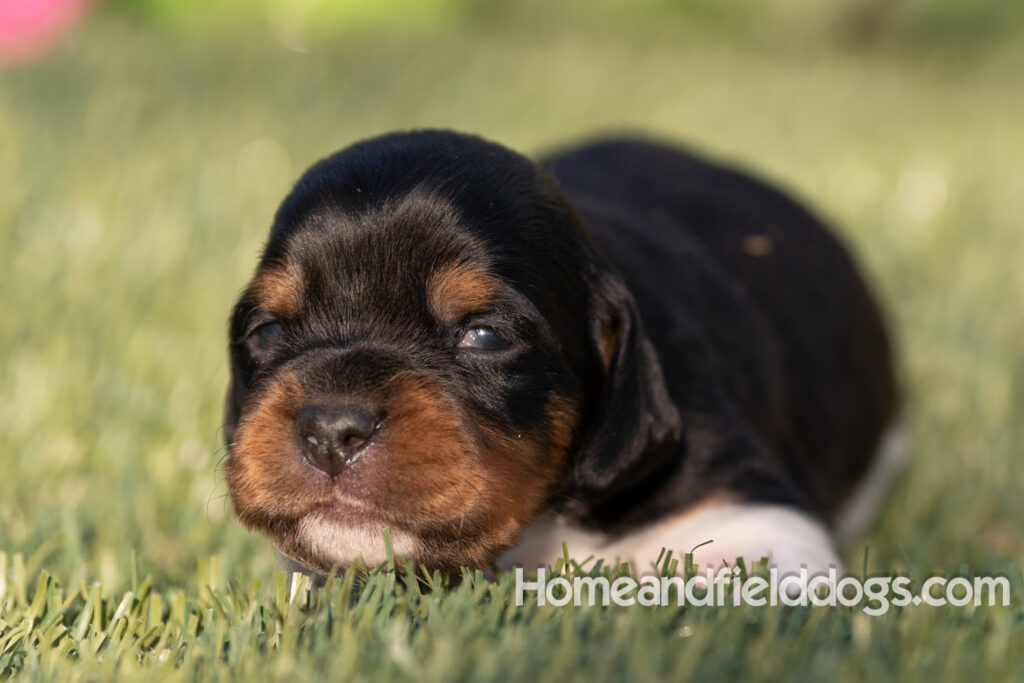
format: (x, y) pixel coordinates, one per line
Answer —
(344, 536)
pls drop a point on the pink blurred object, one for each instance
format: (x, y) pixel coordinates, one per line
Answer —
(31, 28)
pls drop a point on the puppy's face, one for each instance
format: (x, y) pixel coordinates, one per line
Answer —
(413, 352)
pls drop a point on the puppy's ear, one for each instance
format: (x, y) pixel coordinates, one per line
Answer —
(636, 423)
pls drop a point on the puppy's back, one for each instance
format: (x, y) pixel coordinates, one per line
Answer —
(709, 247)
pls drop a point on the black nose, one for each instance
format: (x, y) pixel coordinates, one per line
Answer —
(332, 436)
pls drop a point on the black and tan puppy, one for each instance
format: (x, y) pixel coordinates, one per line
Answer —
(622, 346)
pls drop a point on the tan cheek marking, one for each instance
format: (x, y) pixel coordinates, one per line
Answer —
(457, 290)
(280, 289)
(482, 489)
(528, 467)
(265, 473)
(564, 421)
(436, 475)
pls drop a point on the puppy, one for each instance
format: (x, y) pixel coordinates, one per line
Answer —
(623, 346)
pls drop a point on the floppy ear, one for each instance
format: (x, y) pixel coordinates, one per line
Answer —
(636, 423)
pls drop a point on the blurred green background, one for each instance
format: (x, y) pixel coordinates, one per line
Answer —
(141, 162)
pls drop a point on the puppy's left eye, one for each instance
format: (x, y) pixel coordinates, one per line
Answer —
(482, 338)
(263, 338)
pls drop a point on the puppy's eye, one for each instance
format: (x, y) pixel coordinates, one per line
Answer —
(263, 338)
(482, 338)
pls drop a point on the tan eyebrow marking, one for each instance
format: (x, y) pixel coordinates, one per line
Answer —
(280, 289)
(454, 291)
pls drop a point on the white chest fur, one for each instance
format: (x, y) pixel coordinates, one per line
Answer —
(788, 537)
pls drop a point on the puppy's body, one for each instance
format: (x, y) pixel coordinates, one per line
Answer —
(771, 348)
(688, 356)
(766, 334)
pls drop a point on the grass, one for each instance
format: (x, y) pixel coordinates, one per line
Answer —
(386, 625)
(141, 164)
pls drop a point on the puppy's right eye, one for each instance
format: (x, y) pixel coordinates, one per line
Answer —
(261, 340)
(482, 339)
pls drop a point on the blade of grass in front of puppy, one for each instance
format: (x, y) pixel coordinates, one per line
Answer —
(281, 594)
(82, 624)
(389, 552)
(35, 609)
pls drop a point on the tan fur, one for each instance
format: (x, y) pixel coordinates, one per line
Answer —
(456, 291)
(279, 289)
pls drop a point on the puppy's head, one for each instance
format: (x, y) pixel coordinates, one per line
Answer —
(429, 344)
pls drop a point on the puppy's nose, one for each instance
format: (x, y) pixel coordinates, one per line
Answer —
(333, 435)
